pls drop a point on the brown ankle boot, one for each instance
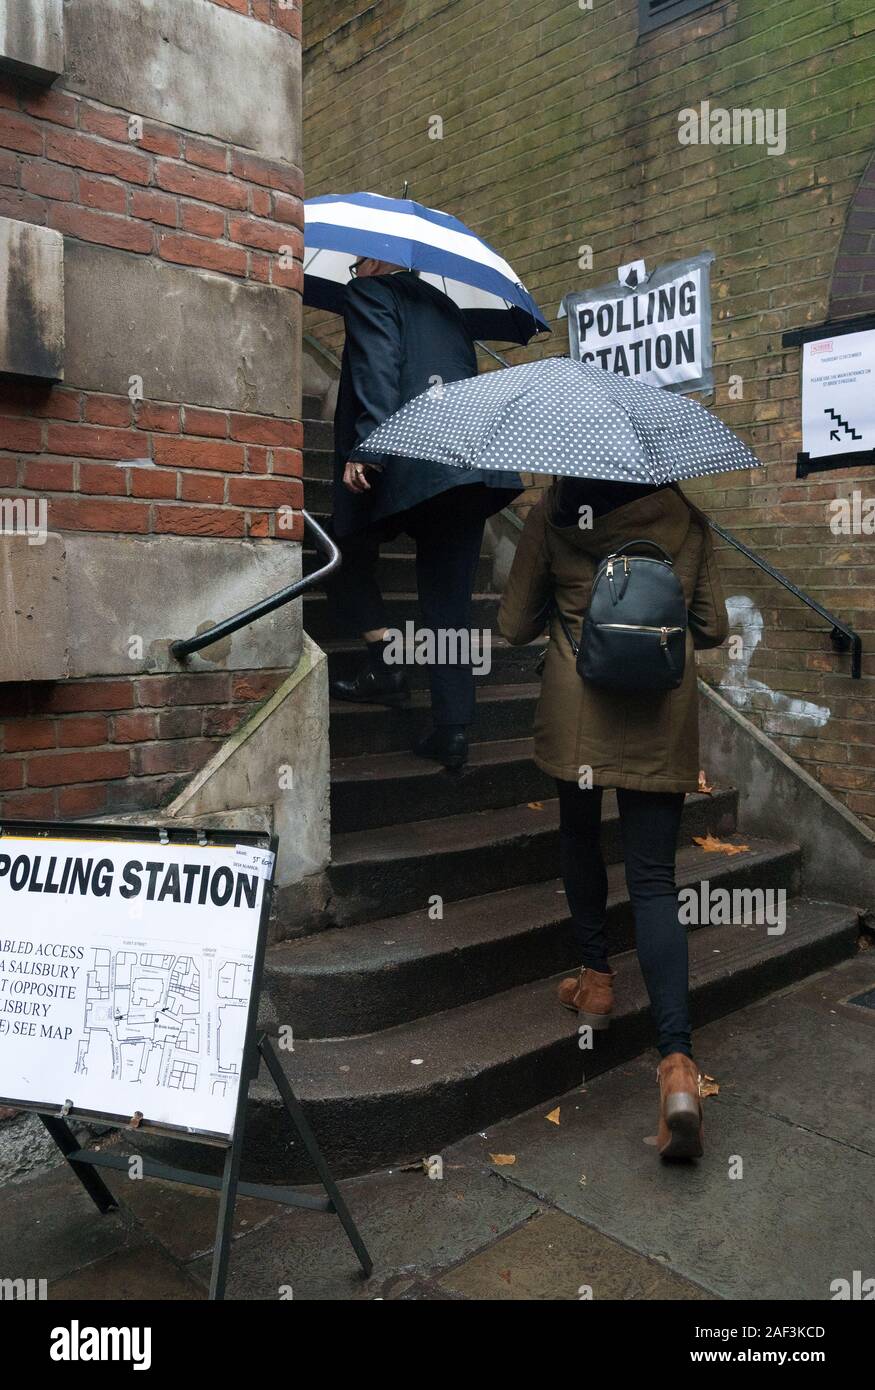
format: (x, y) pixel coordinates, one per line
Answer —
(681, 1129)
(591, 995)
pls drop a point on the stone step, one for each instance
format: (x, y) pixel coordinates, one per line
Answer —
(395, 1096)
(311, 407)
(398, 545)
(503, 711)
(318, 434)
(510, 665)
(396, 568)
(400, 609)
(400, 968)
(319, 463)
(367, 791)
(317, 495)
(397, 869)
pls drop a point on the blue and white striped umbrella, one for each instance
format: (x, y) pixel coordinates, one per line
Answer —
(557, 416)
(339, 228)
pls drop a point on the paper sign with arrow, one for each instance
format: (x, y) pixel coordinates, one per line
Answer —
(838, 394)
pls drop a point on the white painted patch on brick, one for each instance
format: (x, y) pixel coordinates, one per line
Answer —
(740, 687)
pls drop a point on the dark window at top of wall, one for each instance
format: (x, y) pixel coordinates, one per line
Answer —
(653, 14)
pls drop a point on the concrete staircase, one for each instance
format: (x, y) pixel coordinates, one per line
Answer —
(412, 1029)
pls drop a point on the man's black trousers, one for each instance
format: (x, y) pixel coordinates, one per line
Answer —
(448, 532)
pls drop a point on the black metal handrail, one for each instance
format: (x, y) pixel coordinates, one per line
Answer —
(324, 543)
(843, 637)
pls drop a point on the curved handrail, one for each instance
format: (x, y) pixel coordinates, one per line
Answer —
(324, 543)
(843, 637)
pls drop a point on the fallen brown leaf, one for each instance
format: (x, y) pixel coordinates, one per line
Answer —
(553, 1117)
(535, 805)
(711, 845)
(502, 1160)
(708, 1086)
(703, 781)
(505, 1275)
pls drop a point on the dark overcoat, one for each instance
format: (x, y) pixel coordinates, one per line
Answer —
(403, 336)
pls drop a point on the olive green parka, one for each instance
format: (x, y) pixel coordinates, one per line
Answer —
(645, 741)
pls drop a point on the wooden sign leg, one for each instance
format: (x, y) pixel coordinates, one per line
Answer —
(88, 1176)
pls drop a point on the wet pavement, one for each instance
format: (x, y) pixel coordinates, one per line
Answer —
(781, 1206)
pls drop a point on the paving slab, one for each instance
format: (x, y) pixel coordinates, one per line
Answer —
(554, 1256)
(412, 1225)
(779, 1207)
(182, 1218)
(141, 1272)
(51, 1228)
(782, 1204)
(806, 1056)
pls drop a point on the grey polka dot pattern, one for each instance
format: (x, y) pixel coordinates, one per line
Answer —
(558, 416)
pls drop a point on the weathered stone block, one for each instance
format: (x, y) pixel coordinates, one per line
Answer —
(192, 64)
(32, 38)
(288, 734)
(130, 597)
(190, 335)
(31, 301)
(34, 615)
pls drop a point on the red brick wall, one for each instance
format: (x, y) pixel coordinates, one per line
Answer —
(94, 747)
(87, 747)
(284, 14)
(69, 164)
(853, 283)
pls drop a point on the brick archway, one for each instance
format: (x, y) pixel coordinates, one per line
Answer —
(852, 290)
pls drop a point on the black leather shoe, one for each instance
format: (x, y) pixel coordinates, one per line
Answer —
(447, 746)
(369, 687)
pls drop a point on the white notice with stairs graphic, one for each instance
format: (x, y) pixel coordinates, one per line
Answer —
(838, 394)
(126, 972)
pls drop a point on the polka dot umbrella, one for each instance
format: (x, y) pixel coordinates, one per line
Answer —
(558, 416)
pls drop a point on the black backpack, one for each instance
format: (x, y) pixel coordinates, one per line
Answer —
(634, 634)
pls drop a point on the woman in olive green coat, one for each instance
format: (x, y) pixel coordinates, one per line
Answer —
(644, 744)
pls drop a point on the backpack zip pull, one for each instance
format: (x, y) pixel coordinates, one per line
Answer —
(609, 574)
(626, 574)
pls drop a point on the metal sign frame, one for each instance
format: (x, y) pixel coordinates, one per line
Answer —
(257, 1047)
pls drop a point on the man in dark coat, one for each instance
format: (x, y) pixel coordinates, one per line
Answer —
(403, 337)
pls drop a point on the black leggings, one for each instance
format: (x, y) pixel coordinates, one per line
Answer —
(649, 824)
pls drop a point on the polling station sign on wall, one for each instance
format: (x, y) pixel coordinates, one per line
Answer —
(658, 329)
(126, 974)
(838, 394)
